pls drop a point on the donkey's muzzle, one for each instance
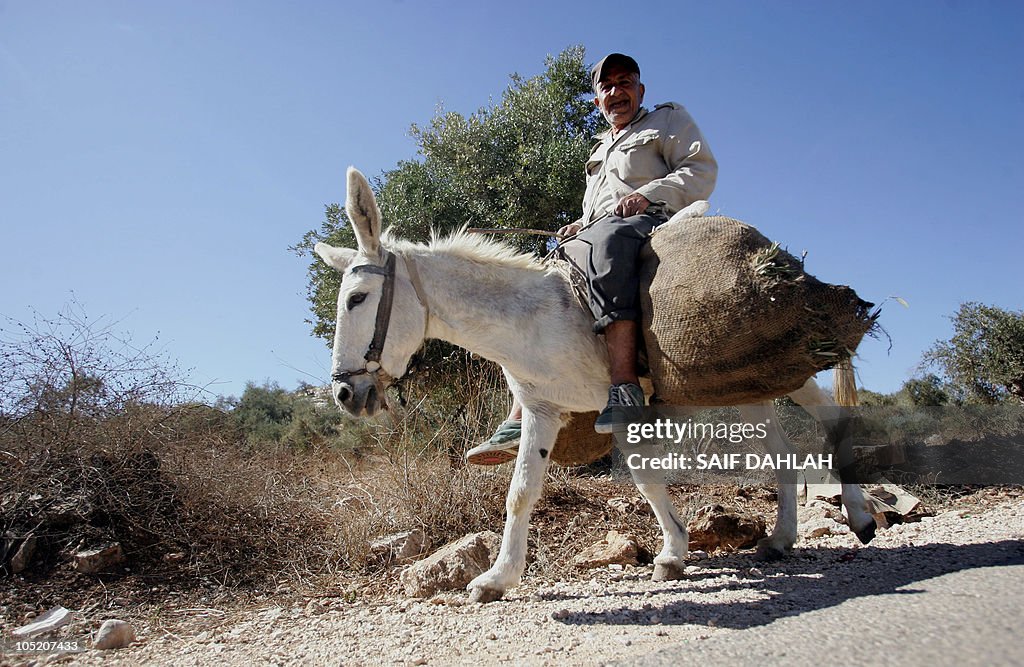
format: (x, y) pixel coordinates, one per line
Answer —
(359, 395)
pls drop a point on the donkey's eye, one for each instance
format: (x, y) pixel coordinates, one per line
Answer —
(356, 299)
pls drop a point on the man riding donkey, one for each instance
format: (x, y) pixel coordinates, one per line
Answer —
(647, 166)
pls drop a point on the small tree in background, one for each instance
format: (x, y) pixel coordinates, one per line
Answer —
(264, 412)
(984, 360)
(267, 414)
(62, 376)
(924, 391)
(866, 397)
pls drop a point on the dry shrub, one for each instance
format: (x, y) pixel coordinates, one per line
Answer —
(99, 444)
(245, 517)
(455, 400)
(382, 497)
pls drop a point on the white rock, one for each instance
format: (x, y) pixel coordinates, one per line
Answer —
(114, 634)
(822, 528)
(51, 620)
(400, 547)
(453, 566)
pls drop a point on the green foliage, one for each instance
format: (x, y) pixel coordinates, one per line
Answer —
(263, 412)
(984, 360)
(516, 163)
(268, 414)
(867, 397)
(923, 391)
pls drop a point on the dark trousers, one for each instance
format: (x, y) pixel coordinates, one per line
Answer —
(608, 251)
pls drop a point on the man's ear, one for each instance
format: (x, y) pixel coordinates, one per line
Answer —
(641, 99)
(338, 258)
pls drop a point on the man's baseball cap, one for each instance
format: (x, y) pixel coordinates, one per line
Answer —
(620, 59)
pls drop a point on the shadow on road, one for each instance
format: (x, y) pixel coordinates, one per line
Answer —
(808, 580)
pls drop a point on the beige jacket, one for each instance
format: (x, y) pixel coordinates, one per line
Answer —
(661, 154)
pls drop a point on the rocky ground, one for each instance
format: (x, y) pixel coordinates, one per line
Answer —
(601, 616)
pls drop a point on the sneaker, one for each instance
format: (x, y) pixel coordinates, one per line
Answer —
(624, 403)
(497, 449)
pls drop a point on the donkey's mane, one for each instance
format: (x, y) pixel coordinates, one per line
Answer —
(466, 245)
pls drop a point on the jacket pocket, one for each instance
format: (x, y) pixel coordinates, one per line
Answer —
(639, 139)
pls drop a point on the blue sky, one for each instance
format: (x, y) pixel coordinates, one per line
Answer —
(157, 159)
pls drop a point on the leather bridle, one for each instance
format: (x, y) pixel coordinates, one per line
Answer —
(383, 319)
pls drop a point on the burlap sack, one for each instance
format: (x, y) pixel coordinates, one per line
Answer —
(578, 444)
(730, 318)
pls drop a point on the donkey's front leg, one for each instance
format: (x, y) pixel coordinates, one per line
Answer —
(540, 429)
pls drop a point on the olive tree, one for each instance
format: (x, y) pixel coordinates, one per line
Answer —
(923, 391)
(984, 360)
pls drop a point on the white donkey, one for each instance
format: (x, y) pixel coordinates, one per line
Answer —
(513, 310)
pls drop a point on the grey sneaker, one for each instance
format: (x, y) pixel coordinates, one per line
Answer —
(625, 402)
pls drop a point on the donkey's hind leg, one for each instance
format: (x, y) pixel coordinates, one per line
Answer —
(669, 563)
(783, 536)
(835, 419)
(540, 429)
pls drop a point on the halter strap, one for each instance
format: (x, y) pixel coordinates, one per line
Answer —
(387, 297)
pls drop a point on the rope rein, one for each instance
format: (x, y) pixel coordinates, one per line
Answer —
(514, 230)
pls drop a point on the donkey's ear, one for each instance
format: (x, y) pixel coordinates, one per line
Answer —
(338, 258)
(363, 213)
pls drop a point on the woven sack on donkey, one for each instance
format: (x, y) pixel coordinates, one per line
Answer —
(578, 444)
(730, 318)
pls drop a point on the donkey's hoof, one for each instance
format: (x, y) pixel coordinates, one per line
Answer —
(668, 572)
(768, 553)
(485, 595)
(867, 533)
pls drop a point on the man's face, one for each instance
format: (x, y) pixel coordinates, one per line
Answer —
(619, 96)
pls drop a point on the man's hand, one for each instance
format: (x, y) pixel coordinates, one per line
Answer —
(571, 229)
(632, 204)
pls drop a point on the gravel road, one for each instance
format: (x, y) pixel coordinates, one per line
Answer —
(944, 591)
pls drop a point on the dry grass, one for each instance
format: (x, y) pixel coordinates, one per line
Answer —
(212, 509)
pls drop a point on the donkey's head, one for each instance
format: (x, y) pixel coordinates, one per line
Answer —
(381, 321)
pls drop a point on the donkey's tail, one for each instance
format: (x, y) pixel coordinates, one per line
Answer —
(844, 384)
